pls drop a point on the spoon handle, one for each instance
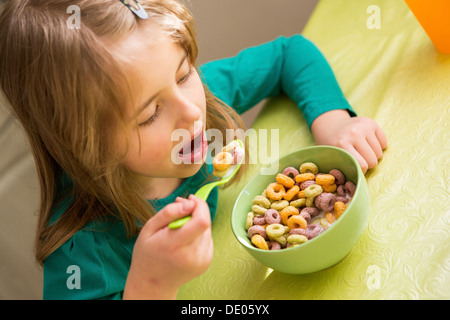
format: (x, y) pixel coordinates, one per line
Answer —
(201, 193)
(204, 191)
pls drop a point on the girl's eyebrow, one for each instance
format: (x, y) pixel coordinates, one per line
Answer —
(146, 103)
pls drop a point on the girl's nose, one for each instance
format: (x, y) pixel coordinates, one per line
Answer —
(187, 111)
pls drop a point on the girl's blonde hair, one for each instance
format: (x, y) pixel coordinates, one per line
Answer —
(68, 90)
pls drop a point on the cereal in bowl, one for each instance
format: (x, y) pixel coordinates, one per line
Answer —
(298, 206)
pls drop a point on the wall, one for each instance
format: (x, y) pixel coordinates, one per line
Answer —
(226, 27)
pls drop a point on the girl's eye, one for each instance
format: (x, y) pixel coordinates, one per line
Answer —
(151, 119)
(157, 111)
(186, 76)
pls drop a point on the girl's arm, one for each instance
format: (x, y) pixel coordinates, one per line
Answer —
(295, 65)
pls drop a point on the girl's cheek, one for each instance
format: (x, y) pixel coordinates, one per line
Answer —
(157, 151)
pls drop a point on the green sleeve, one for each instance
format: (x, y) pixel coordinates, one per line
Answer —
(90, 265)
(292, 65)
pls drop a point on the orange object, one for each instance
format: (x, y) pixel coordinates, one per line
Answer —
(433, 15)
(339, 209)
(287, 212)
(259, 242)
(275, 191)
(291, 193)
(285, 180)
(302, 177)
(324, 179)
(296, 221)
(330, 217)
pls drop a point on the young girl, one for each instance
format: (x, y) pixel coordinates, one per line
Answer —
(99, 104)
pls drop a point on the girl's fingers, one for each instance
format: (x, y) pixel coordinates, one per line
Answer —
(199, 223)
(169, 213)
(180, 199)
(375, 145)
(365, 150)
(380, 136)
(362, 162)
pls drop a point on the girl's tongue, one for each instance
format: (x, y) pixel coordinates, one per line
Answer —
(195, 144)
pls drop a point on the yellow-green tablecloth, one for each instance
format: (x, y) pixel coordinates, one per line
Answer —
(395, 76)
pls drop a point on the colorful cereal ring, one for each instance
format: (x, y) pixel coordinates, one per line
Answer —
(261, 201)
(338, 176)
(325, 201)
(259, 220)
(306, 184)
(306, 215)
(313, 191)
(258, 210)
(272, 216)
(273, 245)
(275, 191)
(311, 210)
(313, 230)
(259, 242)
(339, 208)
(297, 238)
(290, 171)
(222, 161)
(325, 179)
(275, 230)
(285, 180)
(257, 230)
(249, 221)
(329, 187)
(291, 193)
(279, 205)
(350, 188)
(287, 212)
(298, 203)
(299, 231)
(304, 177)
(296, 221)
(330, 217)
(308, 166)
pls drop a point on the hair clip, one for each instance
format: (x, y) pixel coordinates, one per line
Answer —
(136, 8)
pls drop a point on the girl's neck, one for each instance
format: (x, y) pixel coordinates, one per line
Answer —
(159, 188)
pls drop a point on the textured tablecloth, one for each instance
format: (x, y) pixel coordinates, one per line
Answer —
(395, 76)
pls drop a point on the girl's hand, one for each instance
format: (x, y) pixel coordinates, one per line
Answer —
(360, 136)
(164, 259)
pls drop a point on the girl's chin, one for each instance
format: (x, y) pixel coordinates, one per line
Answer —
(187, 170)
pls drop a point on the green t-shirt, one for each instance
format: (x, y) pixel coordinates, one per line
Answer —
(94, 263)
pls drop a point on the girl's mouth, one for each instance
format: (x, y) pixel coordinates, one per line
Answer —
(195, 150)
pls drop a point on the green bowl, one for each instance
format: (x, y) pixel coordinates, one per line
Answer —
(332, 245)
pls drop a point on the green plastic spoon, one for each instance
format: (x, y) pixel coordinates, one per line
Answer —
(204, 191)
